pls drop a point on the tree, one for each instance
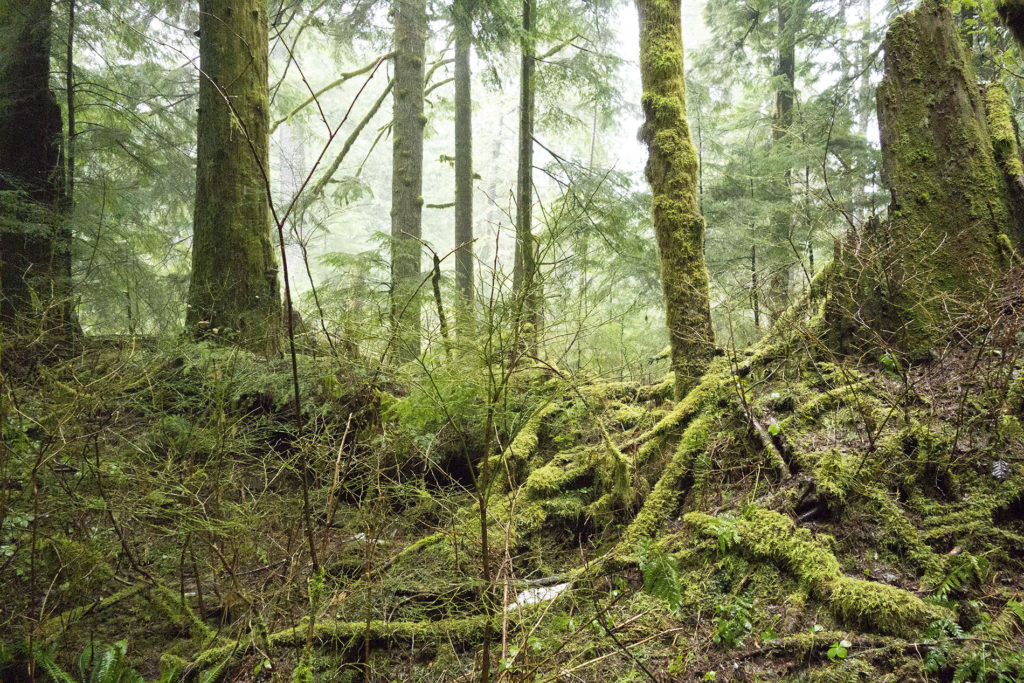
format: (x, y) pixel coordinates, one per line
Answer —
(463, 159)
(525, 267)
(35, 239)
(910, 280)
(407, 174)
(787, 16)
(672, 173)
(233, 291)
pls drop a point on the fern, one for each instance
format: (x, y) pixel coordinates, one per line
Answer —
(661, 575)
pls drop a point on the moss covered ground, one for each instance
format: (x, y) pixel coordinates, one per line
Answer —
(797, 516)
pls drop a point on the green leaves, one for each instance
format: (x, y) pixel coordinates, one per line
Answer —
(839, 649)
(661, 575)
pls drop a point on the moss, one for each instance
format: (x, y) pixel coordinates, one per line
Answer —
(514, 460)
(343, 634)
(708, 393)
(1003, 132)
(672, 173)
(54, 626)
(664, 500)
(907, 281)
(765, 534)
(1012, 14)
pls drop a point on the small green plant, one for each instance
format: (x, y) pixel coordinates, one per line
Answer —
(107, 665)
(661, 575)
(724, 528)
(839, 649)
(733, 622)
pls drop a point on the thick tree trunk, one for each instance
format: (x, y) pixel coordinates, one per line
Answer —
(407, 175)
(1012, 13)
(672, 173)
(463, 164)
(233, 292)
(35, 238)
(905, 284)
(780, 252)
(525, 268)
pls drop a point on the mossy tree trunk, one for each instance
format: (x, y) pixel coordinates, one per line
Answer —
(525, 267)
(463, 162)
(410, 24)
(907, 282)
(1012, 14)
(233, 291)
(672, 172)
(35, 237)
(780, 251)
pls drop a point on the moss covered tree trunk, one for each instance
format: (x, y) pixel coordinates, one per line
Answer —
(780, 251)
(233, 292)
(463, 163)
(1012, 14)
(410, 17)
(672, 172)
(35, 238)
(910, 279)
(525, 267)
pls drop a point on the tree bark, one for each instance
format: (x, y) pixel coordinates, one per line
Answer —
(779, 252)
(525, 268)
(672, 172)
(233, 291)
(407, 175)
(35, 238)
(906, 283)
(1012, 14)
(463, 164)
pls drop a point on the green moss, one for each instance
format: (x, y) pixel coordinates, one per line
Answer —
(511, 466)
(664, 500)
(1003, 133)
(765, 534)
(906, 282)
(672, 173)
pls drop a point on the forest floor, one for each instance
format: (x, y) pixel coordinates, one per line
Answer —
(798, 516)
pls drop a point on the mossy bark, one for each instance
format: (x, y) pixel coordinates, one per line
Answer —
(233, 291)
(1012, 14)
(35, 237)
(463, 163)
(525, 268)
(906, 282)
(407, 175)
(672, 172)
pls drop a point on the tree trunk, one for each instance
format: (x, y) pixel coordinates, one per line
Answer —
(1012, 14)
(463, 165)
(905, 284)
(35, 239)
(233, 292)
(525, 268)
(407, 175)
(672, 172)
(780, 253)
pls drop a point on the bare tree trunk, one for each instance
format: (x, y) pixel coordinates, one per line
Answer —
(407, 175)
(779, 251)
(463, 164)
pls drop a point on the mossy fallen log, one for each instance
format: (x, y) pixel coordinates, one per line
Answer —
(340, 635)
(768, 535)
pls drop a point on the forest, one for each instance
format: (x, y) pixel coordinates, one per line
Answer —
(511, 341)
